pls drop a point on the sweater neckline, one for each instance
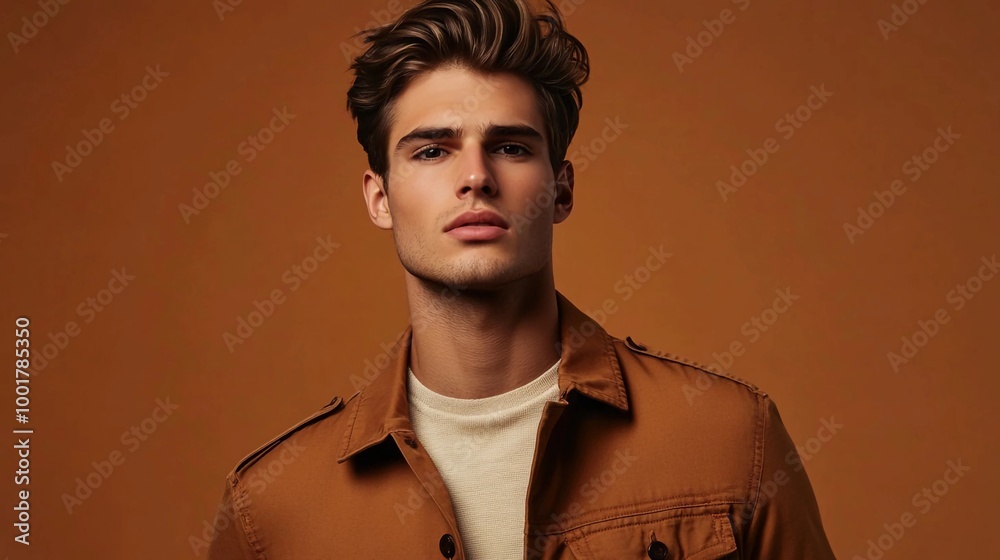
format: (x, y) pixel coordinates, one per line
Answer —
(423, 397)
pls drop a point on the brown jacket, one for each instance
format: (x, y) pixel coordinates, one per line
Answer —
(644, 455)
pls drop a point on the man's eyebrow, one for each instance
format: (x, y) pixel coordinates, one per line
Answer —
(492, 130)
(427, 133)
(520, 130)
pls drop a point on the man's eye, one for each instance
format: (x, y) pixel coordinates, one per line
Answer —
(514, 149)
(435, 152)
(432, 152)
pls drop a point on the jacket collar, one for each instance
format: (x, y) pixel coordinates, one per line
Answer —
(589, 365)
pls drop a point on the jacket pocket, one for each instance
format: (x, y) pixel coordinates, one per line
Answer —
(673, 535)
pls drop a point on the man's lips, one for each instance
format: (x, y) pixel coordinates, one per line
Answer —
(476, 232)
(477, 219)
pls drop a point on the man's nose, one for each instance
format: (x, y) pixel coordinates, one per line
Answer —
(475, 174)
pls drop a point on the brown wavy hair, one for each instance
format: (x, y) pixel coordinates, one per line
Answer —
(483, 36)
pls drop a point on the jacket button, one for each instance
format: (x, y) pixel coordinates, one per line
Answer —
(447, 545)
(657, 550)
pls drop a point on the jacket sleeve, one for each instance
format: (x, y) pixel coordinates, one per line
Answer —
(232, 527)
(784, 519)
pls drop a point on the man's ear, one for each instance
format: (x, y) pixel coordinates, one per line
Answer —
(376, 199)
(563, 196)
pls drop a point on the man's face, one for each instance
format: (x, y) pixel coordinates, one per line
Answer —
(464, 142)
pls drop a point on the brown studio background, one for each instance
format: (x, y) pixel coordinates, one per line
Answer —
(655, 183)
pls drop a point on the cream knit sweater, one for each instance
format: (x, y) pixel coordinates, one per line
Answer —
(483, 449)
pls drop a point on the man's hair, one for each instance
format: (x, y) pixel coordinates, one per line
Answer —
(482, 36)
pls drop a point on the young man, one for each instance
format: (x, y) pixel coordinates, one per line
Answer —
(508, 424)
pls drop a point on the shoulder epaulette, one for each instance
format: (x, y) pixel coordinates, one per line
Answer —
(332, 407)
(643, 349)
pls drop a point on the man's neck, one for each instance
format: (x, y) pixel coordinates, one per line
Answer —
(472, 344)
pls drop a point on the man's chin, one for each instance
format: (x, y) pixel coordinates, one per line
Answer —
(474, 283)
(468, 282)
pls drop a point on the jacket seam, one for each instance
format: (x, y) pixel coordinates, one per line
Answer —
(609, 346)
(714, 516)
(354, 422)
(586, 542)
(614, 516)
(254, 457)
(719, 539)
(758, 463)
(686, 362)
(246, 521)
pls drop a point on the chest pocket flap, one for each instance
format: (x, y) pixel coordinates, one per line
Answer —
(703, 536)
